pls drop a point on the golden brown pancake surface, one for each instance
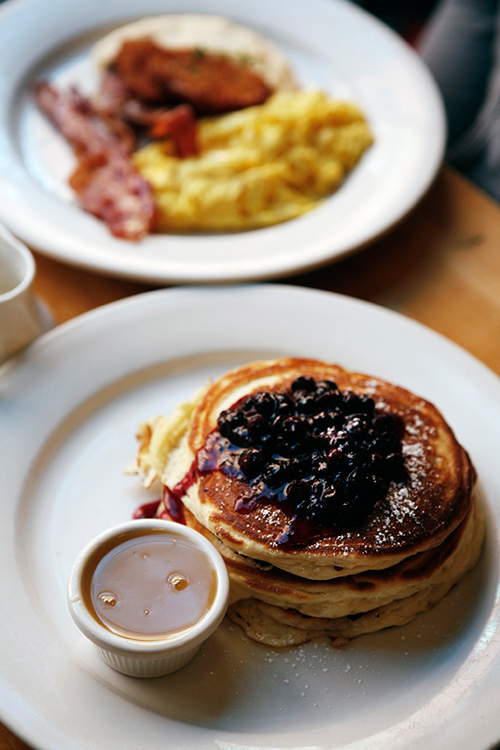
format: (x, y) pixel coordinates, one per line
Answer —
(416, 515)
(352, 594)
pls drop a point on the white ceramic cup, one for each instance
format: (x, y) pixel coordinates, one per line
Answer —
(22, 318)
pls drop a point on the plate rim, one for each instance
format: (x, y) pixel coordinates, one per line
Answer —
(36, 353)
(56, 242)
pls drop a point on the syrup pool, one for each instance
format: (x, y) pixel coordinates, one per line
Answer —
(149, 585)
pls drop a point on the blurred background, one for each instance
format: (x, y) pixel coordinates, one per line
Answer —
(460, 42)
(407, 18)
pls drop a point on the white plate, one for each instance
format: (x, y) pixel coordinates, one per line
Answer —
(330, 43)
(70, 407)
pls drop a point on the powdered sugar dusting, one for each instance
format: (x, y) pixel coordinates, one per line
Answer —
(403, 508)
(402, 504)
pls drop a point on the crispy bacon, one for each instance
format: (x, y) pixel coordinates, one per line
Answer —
(111, 96)
(179, 123)
(115, 192)
(105, 179)
(88, 131)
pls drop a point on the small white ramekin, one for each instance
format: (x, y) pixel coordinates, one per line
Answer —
(155, 657)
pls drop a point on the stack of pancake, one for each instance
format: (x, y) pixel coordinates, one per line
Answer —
(416, 543)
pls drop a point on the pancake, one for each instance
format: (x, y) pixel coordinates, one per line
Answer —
(414, 516)
(279, 626)
(297, 572)
(351, 595)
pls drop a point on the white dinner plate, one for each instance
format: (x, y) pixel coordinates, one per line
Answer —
(330, 43)
(70, 407)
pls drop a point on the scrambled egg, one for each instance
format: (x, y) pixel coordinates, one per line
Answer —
(259, 166)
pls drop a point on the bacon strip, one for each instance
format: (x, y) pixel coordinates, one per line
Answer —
(111, 96)
(178, 123)
(105, 179)
(88, 131)
(116, 193)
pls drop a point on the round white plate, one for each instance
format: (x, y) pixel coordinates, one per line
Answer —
(70, 407)
(330, 43)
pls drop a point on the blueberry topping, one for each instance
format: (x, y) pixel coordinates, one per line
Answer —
(251, 462)
(276, 473)
(328, 455)
(303, 384)
(297, 491)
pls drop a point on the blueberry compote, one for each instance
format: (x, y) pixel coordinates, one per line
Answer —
(325, 455)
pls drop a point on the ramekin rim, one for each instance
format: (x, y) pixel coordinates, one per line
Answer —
(174, 643)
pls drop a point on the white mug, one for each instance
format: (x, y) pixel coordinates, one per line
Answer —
(22, 317)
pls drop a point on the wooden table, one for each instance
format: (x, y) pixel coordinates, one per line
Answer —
(440, 266)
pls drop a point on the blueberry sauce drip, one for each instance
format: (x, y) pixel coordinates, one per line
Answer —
(326, 456)
(146, 510)
(172, 508)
